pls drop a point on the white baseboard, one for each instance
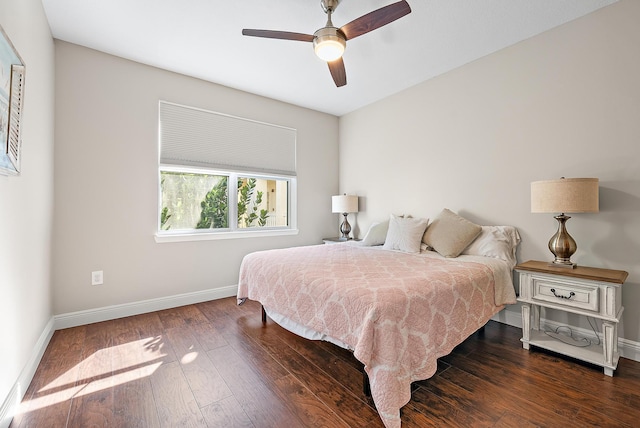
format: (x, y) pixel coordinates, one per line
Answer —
(74, 319)
(627, 348)
(511, 318)
(16, 394)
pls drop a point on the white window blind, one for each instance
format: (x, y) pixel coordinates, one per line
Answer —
(15, 110)
(195, 137)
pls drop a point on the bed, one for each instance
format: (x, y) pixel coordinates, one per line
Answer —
(398, 311)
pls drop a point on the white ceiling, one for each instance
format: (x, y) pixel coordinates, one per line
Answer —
(202, 38)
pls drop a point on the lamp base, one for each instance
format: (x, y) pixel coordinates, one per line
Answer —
(345, 228)
(569, 265)
(562, 245)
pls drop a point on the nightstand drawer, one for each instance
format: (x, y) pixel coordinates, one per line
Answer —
(566, 294)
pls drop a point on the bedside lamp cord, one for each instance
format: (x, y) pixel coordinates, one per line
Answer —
(581, 342)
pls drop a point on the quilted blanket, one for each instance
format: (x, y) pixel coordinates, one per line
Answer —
(398, 312)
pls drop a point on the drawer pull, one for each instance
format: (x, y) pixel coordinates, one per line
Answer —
(560, 296)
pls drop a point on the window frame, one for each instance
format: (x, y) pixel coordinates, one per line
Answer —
(232, 232)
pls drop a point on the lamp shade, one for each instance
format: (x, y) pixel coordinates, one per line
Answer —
(566, 195)
(344, 204)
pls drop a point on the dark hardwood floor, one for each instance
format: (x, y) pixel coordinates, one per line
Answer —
(214, 364)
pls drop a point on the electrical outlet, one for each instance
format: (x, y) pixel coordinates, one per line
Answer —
(97, 277)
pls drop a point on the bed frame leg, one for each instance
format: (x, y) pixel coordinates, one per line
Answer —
(366, 386)
(264, 315)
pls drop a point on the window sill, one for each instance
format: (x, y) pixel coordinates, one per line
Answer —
(214, 236)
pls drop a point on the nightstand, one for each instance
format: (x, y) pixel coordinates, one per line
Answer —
(592, 292)
(337, 240)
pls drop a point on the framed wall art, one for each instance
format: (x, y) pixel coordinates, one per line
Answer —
(11, 101)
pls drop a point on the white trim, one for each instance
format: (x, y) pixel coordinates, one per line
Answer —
(12, 401)
(106, 313)
(511, 318)
(629, 349)
(186, 237)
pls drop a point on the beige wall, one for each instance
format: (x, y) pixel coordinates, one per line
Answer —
(26, 201)
(106, 184)
(564, 103)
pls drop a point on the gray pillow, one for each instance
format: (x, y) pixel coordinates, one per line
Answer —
(449, 234)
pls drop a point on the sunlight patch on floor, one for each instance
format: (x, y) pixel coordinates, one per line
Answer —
(106, 368)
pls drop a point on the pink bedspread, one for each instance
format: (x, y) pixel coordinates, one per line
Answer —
(398, 312)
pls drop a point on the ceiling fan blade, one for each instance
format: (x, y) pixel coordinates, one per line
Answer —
(338, 72)
(284, 35)
(376, 19)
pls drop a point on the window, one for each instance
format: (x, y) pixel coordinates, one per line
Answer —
(193, 199)
(223, 176)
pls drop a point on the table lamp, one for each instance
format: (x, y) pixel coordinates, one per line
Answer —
(344, 204)
(566, 195)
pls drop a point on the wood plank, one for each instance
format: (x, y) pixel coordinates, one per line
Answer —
(488, 397)
(255, 355)
(334, 395)
(150, 329)
(227, 413)
(207, 335)
(146, 325)
(134, 404)
(48, 397)
(92, 405)
(510, 419)
(258, 401)
(206, 383)
(412, 418)
(627, 379)
(440, 413)
(133, 363)
(213, 309)
(472, 376)
(306, 406)
(66, 344)
(348, 373)
(455, 410)
(545, 378)
(174, 400)
(182, 316)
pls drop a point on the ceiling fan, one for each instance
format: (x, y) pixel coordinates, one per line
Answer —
(330, 42)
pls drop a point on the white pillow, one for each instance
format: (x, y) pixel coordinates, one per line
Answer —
(499, 242)
(376, 234)
(405, 234)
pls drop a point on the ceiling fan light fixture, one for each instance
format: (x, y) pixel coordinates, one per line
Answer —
(328, 44)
